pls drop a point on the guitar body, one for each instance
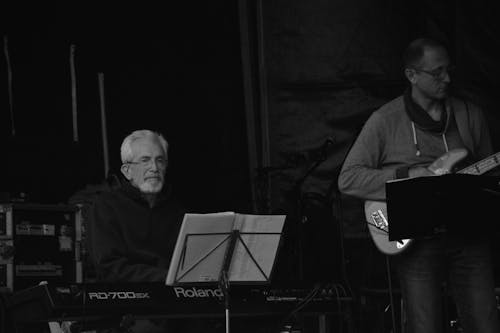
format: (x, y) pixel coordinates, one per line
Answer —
(378, 226)
(376, 211)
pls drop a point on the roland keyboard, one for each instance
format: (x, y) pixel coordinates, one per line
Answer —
(93, 300)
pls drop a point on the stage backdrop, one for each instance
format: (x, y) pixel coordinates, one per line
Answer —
(174, 70)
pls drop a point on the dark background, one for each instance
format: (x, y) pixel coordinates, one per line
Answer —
(175, 70)
(313, 70)
(324, 67)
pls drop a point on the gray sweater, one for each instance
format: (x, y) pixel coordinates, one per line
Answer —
(388, 141)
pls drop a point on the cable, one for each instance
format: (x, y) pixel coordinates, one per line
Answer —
(393, 315)
(339, 292)
(339, 307)
(342, 248)
(300, 305)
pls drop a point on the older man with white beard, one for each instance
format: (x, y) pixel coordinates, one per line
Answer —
(133, 229)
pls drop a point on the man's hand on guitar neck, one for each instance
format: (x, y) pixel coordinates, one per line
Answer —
(420, 172)
(441, 166)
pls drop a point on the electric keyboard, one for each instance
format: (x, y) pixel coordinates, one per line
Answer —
(93, 300)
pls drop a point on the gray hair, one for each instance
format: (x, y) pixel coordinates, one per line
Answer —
(126, 148)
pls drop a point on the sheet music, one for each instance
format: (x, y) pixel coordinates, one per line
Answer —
(204, 238)
(198, 246)
(263, 247)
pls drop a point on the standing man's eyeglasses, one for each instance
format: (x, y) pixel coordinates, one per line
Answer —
(438, 74)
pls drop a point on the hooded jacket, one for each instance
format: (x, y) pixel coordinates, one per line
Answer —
(130, 241)
(397, 137)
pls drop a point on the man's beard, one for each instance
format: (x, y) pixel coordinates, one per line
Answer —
(151, 187)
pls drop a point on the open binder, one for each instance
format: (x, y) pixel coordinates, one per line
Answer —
(459, 203)
(241, 246)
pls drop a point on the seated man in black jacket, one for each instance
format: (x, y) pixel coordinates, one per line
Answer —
(133, 229)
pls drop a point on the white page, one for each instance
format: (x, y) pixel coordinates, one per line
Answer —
(193, 267)
(263, 247)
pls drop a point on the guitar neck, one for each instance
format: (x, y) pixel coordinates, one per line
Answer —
(482, 166)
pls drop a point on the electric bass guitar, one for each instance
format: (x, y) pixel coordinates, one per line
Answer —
(376, 211)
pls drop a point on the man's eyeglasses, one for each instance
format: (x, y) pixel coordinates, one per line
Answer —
(438, 74)
(145, 162)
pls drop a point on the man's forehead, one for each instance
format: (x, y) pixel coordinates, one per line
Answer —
(435, 56)
(151, 147)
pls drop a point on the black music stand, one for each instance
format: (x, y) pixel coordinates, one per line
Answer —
(459, 203)
(224, 257)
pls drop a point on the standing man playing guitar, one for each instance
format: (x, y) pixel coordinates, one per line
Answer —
(404, 139)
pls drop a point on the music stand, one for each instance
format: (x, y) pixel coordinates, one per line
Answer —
(225, 248)
(459, 203)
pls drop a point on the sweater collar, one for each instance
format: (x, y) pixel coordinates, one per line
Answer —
(421, 118)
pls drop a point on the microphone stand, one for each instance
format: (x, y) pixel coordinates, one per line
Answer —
(262, 186)
(297, 195)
